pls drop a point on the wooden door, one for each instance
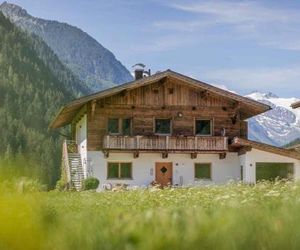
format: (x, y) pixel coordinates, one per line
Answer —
(163, 173)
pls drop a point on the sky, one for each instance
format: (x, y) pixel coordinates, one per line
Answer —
(244, 46)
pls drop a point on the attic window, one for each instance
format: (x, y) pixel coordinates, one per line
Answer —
(171, 91)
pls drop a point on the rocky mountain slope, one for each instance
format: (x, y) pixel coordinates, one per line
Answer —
(278, 126)
(88, 59)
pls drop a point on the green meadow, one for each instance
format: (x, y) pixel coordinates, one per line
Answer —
(232, 216)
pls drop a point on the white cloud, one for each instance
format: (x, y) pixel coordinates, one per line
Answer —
(238, 12)
(268, 26)
(163, 43)
(263, 79)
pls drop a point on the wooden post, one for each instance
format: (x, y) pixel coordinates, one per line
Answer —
(167, 142)
(193, 155)
(106, 154)
(137, 139)
(136, 154)
(94, 103)
(165, 155)
(107, 142)
(222, 156)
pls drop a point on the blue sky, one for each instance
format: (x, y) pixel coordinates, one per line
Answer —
(243, 45)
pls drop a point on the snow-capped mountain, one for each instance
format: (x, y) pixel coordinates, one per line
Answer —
(278, 126)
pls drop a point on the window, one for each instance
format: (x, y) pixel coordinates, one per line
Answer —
(203, 171)
(119, 126)
(203, 127)
(126, 126)
(113, 126)
(119, 170)
(162, 126)
(271, 171)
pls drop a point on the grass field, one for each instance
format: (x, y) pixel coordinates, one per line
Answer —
(234, 216)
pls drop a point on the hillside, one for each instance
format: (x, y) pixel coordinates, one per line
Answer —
(88, 59)
(279, 126)
(31, 92)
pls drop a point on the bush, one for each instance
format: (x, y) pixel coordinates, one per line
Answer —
(61, 185)
(90, 183)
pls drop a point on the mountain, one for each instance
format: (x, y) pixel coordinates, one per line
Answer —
(89, 60)
(279, 126)
(34, 84)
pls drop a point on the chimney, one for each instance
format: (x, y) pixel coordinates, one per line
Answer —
(139, 71)
(138, 74)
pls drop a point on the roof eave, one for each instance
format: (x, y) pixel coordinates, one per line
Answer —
(295, 105)
(261, 107)
(266, 147)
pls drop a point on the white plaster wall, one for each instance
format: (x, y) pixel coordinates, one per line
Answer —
(143, 167)
(250, 159)
(81, 140)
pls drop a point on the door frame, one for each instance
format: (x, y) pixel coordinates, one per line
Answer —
(164, 162)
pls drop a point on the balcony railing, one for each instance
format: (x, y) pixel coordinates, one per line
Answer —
(165, 143)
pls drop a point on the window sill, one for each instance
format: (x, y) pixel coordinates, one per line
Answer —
(119, 179)
(202, 179)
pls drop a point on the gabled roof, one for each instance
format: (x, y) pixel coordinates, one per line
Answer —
(295, 105)
(67, 113)
(239, 142)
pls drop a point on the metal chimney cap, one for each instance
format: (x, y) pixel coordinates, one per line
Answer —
(137, 65)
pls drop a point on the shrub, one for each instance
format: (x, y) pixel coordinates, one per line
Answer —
(90, 183)
(61, 185)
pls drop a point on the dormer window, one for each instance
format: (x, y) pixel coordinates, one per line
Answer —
(119, 126)
(203, 127)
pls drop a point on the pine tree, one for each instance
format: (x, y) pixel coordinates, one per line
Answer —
(34, 84)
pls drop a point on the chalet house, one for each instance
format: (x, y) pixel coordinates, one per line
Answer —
(170, 129)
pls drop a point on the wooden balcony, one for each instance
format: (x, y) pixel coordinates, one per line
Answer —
(192, 144)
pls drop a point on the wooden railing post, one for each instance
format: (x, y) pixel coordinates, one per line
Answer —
(107, 142)
(167, 142)
(137, 138)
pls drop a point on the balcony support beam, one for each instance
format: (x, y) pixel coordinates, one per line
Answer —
(193, 155)
(222, 156)
(165, 155)
(136, 154)
(106, 154)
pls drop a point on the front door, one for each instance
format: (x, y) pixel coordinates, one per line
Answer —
(163, 173)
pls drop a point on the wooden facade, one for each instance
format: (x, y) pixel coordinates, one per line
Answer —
(165, 99)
